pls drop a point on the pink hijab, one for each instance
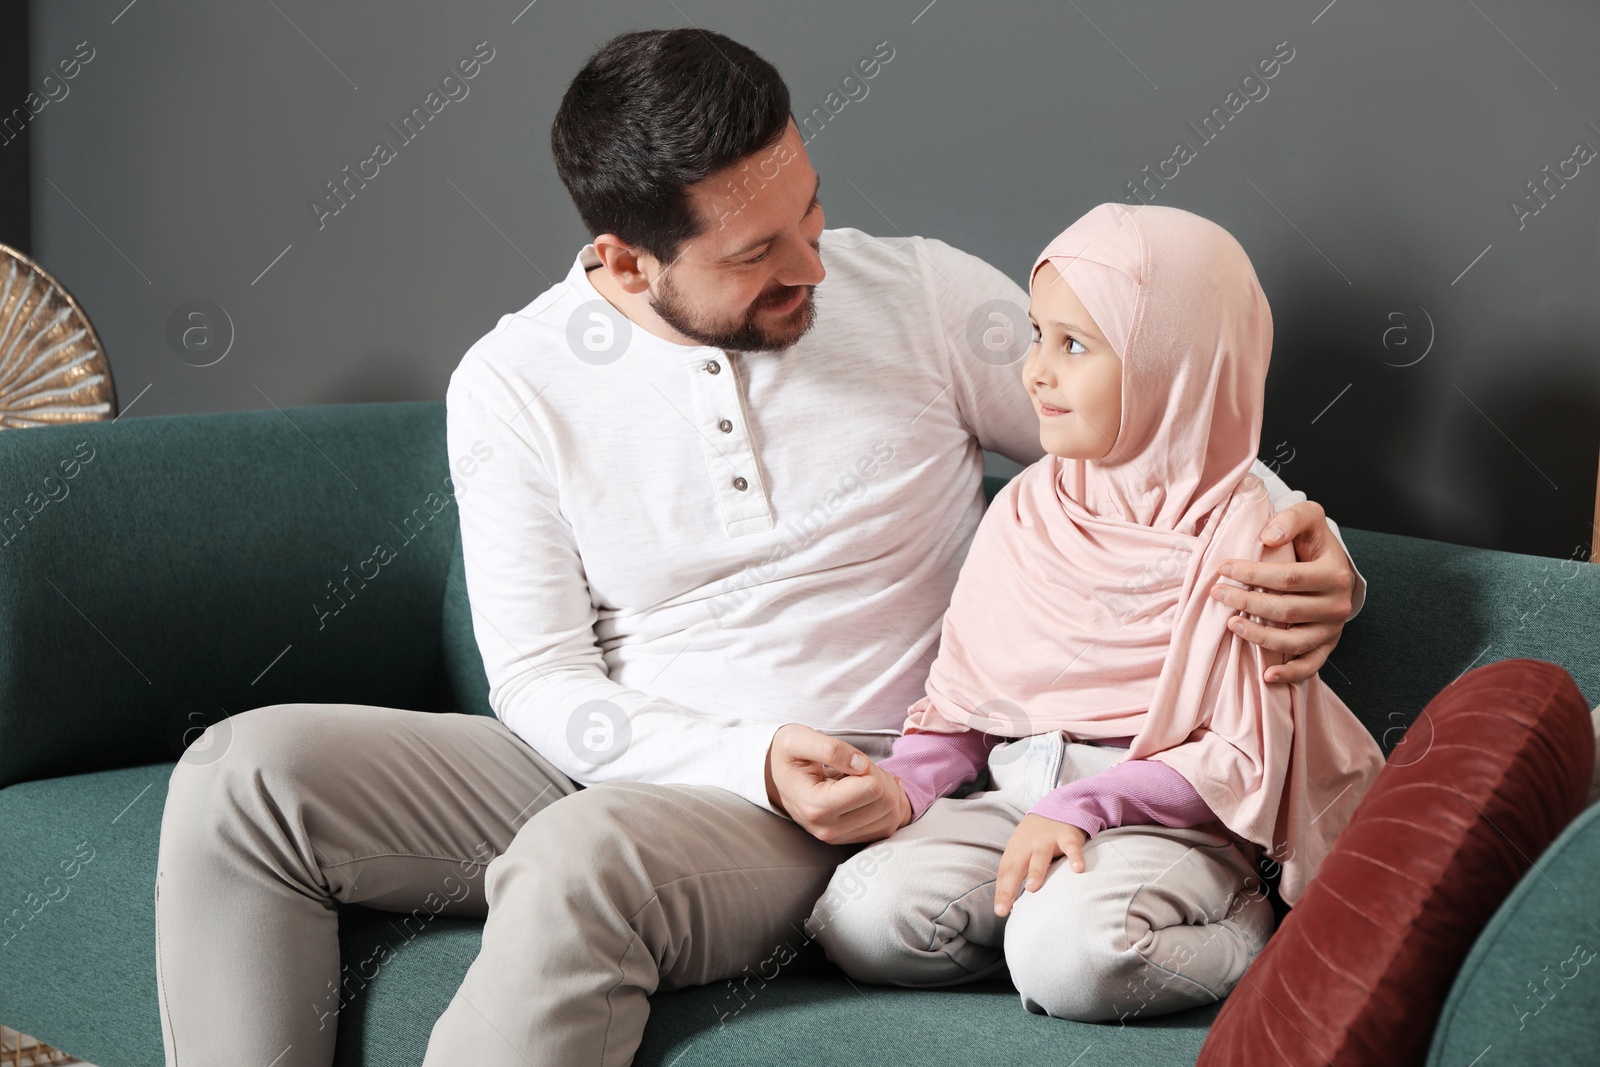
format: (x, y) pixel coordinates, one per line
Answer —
(1084, 605)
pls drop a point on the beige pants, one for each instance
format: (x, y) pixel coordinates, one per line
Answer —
(277, 813)
(1159, 919)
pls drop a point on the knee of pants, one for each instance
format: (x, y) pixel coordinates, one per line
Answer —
(870, 926)
(1066, 963)
(1073, 960)
(586, 845)
(239, 758)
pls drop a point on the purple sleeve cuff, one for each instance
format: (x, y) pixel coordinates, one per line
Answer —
(931, 765)
(1138, 791)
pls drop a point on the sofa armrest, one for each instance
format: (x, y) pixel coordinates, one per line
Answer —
(1530, 987)
(158, 574)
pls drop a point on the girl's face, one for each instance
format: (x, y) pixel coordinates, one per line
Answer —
(1072, 373)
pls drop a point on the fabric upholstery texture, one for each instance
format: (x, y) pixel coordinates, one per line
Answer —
(189, 553)
(1525, 993)
(200, 545)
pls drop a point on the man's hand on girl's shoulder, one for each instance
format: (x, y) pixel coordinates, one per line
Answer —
(1303, 605)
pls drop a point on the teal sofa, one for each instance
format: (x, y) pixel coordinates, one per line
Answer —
(160, 573)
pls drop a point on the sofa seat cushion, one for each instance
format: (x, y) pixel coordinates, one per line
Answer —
(825, 1018)
(79, 972)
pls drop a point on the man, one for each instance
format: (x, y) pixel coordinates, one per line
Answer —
(712, 509)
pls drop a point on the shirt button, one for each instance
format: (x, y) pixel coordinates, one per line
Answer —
(740, 484)
(713, 367)
(725, 426)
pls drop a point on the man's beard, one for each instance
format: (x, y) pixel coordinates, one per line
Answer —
(749, 335)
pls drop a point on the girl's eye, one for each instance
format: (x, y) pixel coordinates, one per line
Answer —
(1037, 337)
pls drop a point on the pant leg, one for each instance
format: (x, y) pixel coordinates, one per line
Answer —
(917, 909)
(277, 813)
(621, 890)
(1159, 920)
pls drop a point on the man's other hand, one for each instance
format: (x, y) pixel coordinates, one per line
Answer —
(831, 788)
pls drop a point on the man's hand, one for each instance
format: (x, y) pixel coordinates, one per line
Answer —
(1034, 845)
(831, 788)
(1311, 598)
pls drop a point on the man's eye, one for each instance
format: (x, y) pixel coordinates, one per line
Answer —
(758, 259)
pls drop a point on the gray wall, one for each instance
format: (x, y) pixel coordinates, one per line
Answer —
(14, 142)
(1372, 184)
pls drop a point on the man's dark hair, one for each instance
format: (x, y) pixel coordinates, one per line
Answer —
(652, 113)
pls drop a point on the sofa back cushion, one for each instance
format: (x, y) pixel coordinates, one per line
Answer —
(468, 682)
(1435, 610)
(159, 573)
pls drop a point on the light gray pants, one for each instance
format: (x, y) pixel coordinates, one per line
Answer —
(276, 814)
(1159, 919)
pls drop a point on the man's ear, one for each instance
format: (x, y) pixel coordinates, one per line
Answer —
(622, 263)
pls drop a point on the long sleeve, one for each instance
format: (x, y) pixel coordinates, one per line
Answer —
(533, 617)
(1133, 792)
(983, 323)
(934, 765)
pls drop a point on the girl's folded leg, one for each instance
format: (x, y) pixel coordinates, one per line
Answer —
(1159, 920)
(917, 908)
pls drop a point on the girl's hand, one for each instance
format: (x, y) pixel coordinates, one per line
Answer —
(1034, 845)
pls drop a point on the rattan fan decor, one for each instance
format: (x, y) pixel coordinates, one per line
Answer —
(20, 1050)
(52, 368)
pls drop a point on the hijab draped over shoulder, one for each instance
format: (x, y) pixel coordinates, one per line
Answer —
(1084, 605)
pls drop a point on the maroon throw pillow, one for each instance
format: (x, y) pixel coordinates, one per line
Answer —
(1497, 764)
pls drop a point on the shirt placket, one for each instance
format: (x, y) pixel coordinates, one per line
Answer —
(719, 418)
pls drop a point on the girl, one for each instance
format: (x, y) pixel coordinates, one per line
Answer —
(1082, 660)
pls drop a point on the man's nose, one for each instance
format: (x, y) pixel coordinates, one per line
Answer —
(802, 267)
